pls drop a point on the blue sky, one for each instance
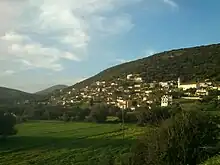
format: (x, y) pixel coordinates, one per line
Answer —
(48, 42)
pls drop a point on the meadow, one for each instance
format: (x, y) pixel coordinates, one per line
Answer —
(60, 143)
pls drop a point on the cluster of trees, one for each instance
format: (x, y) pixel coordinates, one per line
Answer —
(95, 113)
(211, 102)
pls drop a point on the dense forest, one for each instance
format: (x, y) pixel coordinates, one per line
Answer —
(192, 64)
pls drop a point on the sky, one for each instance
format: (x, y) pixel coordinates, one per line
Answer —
(49, 42)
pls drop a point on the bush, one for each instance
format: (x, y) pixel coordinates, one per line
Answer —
(152, 116)
(7, 123)
(187, 138)
(65, 117)
(129, 117)
(98, 113)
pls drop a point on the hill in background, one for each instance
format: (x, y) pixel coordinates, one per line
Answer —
(8, 96)
(51, 89)
(192, 64)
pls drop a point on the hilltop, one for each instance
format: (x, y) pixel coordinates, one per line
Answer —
(196, 63)
(51, 89)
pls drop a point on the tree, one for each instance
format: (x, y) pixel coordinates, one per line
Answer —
(177, 94)
(91, 102)
(155, 115)
(99, 113)
(7, 123)
(65, 117)
(191, 90)
(189, 137)
(134, 103)
(113, 110)
(83, 113)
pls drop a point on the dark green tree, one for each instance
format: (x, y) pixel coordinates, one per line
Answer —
(7, 123)
(189, 137)
(99, 113)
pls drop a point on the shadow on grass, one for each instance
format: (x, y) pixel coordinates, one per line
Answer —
(25, 143)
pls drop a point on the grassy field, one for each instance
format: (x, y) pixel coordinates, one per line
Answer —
(59, 143)
(213, 161)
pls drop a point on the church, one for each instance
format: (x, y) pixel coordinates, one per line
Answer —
(187, 86)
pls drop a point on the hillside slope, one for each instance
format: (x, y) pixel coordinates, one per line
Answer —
(51, 89)
(190, 63)
(8, 96)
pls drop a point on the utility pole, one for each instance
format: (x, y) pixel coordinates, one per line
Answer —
(123, 122)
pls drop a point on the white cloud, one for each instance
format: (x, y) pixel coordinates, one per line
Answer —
(171, 3)
(34, 55)
(9, 72)
(114, 25)
(46, 32)
(14, 37)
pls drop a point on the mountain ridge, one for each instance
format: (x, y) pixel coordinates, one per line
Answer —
(199, 62)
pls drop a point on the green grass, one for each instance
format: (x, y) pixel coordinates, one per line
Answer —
(213, 161)
(59, 143)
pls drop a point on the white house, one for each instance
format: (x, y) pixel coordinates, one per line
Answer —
(149, 91)
(122, 104)
(202, 92)
(137, 85)
(152, 85)
(164, 84)
(98, 83)
(166, 100)
(129, 76)
(138, 79)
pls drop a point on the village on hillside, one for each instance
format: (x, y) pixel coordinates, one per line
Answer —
(131, 92)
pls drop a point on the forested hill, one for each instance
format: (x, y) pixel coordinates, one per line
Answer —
(8, 96)
(190, 63)
(51, 89)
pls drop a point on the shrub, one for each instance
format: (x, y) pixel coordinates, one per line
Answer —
(187, 138)
(152, 116)
(7, 123)
(98, 113)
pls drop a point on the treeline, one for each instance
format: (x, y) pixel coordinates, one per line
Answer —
(98, 113)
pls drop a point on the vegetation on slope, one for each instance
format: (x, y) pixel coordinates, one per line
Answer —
(51, 89)
(8, 96)
(197, 63)
(213, 161)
